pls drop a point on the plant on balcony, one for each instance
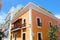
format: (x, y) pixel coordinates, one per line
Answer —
(52, 33)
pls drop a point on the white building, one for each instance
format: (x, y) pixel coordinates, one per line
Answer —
(7, 25)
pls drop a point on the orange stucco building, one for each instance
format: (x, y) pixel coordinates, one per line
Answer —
(32, 23)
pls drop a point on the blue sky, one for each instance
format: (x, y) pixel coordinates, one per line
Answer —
(51, 5)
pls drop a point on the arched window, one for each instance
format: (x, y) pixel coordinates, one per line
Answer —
(24, 22)
(39, 21)
(39, 36)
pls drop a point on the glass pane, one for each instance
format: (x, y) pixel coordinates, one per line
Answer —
(39, 36)
(38, 21)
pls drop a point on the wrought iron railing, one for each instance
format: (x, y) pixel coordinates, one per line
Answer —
(23, 25)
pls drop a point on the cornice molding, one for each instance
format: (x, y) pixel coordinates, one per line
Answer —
(34, 7)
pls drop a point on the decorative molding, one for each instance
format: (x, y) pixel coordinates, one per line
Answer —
(40, 22)
(16, 29)
(34, 7)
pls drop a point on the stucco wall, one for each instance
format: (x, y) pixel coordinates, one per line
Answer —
(25, 15)
(45, 24)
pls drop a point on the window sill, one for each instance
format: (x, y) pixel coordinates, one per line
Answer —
(39, 26)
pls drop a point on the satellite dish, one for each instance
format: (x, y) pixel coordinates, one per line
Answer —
(0, 4)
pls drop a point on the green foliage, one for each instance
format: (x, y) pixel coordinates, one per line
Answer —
(2, 34)
(52, 33)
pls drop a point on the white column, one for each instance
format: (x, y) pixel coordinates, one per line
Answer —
(10, 31)
(30, 22)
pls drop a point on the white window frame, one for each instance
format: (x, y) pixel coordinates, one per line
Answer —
(41, 35)
(23, 20)
(22, 35)
(37, 23)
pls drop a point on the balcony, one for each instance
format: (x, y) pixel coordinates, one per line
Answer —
(18, 25)
(16, 28)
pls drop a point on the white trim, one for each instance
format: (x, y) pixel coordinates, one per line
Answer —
(10, 31)
(30, 23)
(35, 7)
(23, 27)
(16, 29)
(37, 23)
(22, 35)
(23, 20)
(41, 35)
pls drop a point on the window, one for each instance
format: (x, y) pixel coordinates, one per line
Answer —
(50, 24)
(24, 22)
(39, 36)
(24, 36)
(39, 22)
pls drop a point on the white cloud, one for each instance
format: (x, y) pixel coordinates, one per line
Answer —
(2, 16)
(58, 16)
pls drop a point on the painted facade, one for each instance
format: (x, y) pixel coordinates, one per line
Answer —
(32, 23)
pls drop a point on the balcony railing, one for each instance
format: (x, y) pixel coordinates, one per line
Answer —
(19, 27)
(24, 25)
(15, 28)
